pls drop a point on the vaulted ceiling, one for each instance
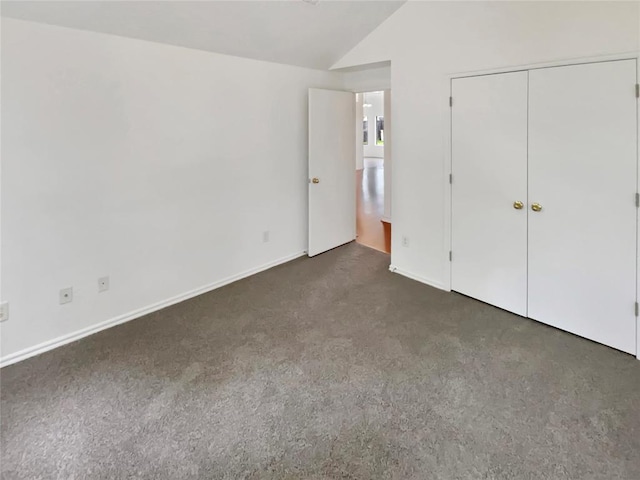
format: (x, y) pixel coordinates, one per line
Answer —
(306, 33)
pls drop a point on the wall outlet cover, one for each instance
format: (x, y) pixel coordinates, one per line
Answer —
(103, 284)
(66, 295)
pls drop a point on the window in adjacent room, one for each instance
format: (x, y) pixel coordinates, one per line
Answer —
(365, 131)
(379, 130)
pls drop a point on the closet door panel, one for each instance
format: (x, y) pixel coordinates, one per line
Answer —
(583, 174)
(489, 166)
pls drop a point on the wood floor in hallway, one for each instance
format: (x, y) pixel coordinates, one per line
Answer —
(370, 230)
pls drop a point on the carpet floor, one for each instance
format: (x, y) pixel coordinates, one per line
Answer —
(324, 368)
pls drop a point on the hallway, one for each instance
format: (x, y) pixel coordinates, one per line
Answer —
(370, 230)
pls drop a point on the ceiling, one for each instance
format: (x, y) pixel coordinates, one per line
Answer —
(293, 32)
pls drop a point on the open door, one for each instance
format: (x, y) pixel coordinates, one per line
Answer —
(332, 199)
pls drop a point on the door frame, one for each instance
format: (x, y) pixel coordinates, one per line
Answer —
(447, 161)
(388, 155)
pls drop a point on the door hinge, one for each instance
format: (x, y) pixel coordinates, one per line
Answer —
(637, 309)
(451, 178)
(637, 200)
(450, 256)
(451, 101)
(637, 90)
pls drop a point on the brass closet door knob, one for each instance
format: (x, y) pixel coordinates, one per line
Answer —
(518, 205)
(315, 180)
(536, 207)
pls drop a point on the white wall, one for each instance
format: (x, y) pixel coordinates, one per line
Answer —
(388, 157)
(376, 100)
(426, 41)
(159, 166)
(367, 78)
(359, 146)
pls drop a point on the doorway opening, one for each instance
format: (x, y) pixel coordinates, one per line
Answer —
(373, 170)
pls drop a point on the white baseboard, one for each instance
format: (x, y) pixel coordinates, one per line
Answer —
(85, 332)
(418, 278)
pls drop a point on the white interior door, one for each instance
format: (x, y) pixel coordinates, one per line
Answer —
(332, 181)
(582, 171)
(489, 165)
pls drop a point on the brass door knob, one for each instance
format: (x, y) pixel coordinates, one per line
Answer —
(536, 207)
(518, 205)
(315, 180)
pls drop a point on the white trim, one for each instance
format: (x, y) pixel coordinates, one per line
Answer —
(85, 332)
(447, 119)
(418, 278)
(637, 210)
(555, 63)
(368, 90)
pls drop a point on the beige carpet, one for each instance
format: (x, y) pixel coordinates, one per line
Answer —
(325, 368)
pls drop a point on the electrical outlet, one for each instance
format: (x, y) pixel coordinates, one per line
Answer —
(4, 311)
(103, 284)
(265, 236)
(405, 241)
(66, 295)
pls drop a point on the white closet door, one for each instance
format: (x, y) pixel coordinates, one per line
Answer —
(489, 165)
(582, 171)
